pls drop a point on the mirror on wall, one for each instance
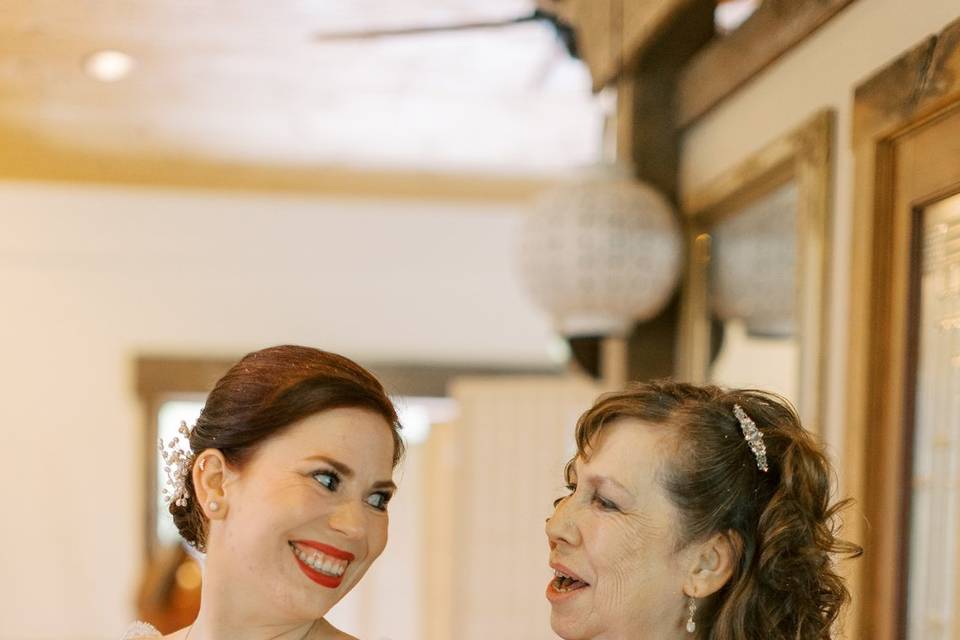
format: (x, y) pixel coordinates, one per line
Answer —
(751, 287)
(753, 300)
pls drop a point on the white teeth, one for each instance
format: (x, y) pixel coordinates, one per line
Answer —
(321, 562)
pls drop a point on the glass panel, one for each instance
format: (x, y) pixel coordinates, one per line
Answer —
(935, 529)
(753, 291)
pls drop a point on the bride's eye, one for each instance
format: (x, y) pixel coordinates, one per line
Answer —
(379, 500)
(329, 479)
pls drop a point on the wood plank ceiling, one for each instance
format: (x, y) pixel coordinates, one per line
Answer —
(248, 81)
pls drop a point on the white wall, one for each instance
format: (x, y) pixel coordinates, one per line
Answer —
(90, 277)
(822, 72)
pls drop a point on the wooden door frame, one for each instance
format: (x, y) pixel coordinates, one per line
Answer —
(911, 92)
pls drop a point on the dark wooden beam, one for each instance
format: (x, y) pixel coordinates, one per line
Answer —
(649, 139)
(728, 63)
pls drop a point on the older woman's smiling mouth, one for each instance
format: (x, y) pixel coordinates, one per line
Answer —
(322, 563)
(564, 583)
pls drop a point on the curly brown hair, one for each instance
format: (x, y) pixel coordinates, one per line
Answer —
(263, 394)
(782, 524)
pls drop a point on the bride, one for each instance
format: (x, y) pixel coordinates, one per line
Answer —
(283, 483)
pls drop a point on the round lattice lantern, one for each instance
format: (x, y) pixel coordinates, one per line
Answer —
(600, 254)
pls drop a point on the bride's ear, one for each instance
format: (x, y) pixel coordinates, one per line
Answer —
(210, 476)
(711, 564)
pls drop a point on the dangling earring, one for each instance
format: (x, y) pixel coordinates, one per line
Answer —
(692, 610)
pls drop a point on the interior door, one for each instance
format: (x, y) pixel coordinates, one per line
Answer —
(902, 424)
(928, 197)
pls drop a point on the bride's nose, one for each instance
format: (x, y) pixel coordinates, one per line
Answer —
(348, 519)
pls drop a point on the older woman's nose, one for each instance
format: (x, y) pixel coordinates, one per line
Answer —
(348, 519)
(561, 527)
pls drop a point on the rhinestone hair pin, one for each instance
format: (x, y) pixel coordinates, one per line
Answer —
(753, 437)
(177, 464)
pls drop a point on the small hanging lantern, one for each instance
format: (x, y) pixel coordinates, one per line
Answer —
(601, 253)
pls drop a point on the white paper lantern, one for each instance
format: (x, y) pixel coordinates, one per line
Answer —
(600, 254)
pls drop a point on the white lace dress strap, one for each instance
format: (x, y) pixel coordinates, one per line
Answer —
(141, 630)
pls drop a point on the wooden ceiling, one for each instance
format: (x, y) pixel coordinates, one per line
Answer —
(245, 93)
(247, 83)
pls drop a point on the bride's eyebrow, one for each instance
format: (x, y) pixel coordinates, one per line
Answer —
(345, 471)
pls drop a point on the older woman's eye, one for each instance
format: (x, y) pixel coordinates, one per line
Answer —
(379, 500)
(572, 488)
(329, 479)
(604, 503)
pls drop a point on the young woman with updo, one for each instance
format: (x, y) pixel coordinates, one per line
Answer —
(283, 483)
(695, 512)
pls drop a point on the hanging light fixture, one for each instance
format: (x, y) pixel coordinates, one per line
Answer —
(601, 253)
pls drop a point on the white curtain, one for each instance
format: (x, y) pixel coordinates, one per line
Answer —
(935, 520)
(494, 475)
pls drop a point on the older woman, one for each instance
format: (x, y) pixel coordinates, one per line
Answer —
(284, 484)
(695, 512)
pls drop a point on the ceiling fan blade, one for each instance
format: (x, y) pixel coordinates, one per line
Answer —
(413, 31)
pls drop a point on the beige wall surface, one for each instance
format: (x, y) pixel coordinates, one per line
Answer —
(90, 277)
(820, 73)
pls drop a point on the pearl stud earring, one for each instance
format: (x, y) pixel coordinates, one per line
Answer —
(213, 505)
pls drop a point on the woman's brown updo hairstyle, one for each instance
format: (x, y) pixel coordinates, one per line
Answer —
(266, 392)
(781, 523)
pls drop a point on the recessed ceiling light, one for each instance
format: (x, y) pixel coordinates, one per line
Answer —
(108, 65)
(730, 14)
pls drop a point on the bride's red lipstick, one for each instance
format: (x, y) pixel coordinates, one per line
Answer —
(331, 582)
(333, 552)
(324, 580)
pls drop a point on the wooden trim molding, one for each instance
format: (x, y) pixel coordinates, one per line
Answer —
(803, 156)
(724, 66)
(891, 109)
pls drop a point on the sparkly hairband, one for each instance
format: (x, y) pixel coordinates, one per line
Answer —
(177, 463)
(753, 437)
